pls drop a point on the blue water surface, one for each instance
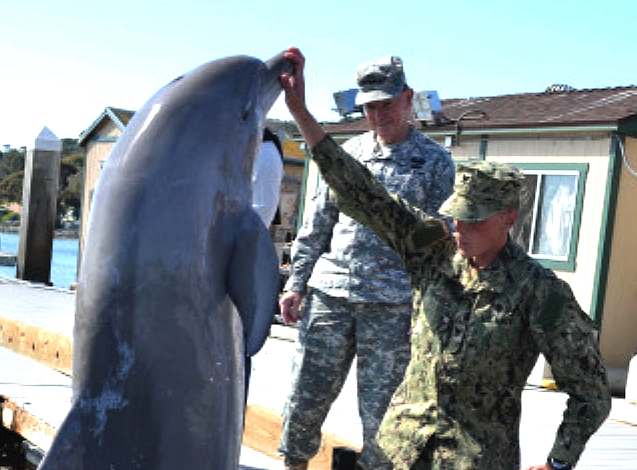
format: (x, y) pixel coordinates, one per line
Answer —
(63, 264)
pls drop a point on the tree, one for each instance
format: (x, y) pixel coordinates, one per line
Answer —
(10, 162)
(11, 187)
(71, 175)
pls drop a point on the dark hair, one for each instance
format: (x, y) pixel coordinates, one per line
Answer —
(269, 136)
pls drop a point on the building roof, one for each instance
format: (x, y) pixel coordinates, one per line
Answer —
(557, 106)
(119, 116)
(124, 115)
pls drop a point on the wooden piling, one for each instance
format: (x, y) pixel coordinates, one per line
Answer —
(39, 200)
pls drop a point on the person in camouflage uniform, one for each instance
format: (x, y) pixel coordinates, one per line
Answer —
(483, 311)
(359, 301)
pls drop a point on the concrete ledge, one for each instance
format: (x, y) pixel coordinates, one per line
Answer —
(50, 348)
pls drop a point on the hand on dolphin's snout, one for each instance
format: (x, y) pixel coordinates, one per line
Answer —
(290, 303)
(293, 84)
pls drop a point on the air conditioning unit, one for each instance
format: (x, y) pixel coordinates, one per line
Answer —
(346, 102)
(427, 106)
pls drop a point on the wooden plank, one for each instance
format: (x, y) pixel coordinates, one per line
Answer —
(17, 419)
(263, 432)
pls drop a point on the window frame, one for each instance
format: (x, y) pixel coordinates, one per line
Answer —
(581, 171)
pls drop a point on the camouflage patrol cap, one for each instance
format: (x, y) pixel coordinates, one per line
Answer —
(482, 189)
(381, 79)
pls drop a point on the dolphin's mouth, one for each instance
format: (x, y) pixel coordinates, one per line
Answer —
(271, 87)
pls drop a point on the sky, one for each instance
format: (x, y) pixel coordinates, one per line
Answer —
(62, 62)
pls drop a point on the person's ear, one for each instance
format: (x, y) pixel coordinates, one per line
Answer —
(511, 216)
(409, 95)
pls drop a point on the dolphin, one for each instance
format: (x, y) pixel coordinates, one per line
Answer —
(173, 246)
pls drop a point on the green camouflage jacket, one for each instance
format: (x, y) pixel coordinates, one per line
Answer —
(476, 335)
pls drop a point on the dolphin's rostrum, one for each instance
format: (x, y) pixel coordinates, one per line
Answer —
(172, 241)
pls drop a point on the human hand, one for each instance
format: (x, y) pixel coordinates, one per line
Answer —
(545, 466)
(293, 84)
(289, 303)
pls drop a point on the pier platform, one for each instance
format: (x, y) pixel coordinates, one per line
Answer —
(7, 259)
(35, 390)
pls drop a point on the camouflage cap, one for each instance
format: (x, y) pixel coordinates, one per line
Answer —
(482, 189)
(381, 79)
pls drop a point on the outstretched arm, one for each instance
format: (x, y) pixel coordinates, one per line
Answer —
(294, 86)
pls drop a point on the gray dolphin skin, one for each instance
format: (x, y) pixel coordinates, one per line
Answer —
(158, 352)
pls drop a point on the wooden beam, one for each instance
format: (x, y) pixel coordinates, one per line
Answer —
(32, 428)
(263, 432)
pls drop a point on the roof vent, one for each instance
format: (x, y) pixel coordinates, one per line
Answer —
(346, 102)
(559, 88)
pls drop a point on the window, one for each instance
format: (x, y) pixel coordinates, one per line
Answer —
(550, 212)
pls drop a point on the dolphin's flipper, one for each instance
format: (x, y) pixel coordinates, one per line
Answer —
(253, 283)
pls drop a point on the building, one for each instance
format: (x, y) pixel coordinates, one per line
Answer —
(100, 137)
(98, 140)
(578, 149)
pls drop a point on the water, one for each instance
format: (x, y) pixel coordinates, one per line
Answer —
(63, 264)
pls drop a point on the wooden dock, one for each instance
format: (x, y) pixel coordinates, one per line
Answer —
(35, 389)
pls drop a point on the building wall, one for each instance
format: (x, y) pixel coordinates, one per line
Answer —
(619, 322)
(294, 170)
(467, 148)
(98, 149)
(312, 181)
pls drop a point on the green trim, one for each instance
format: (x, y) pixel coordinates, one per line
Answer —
(628, 127)
(484, 143)
(293, 161)
(526, 130)
(105, 139)
(606, 232)
(582, 168)
(301, 210)
(340, 139)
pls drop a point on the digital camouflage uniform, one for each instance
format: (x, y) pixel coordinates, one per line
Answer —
(359, 301)
(476, 334)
